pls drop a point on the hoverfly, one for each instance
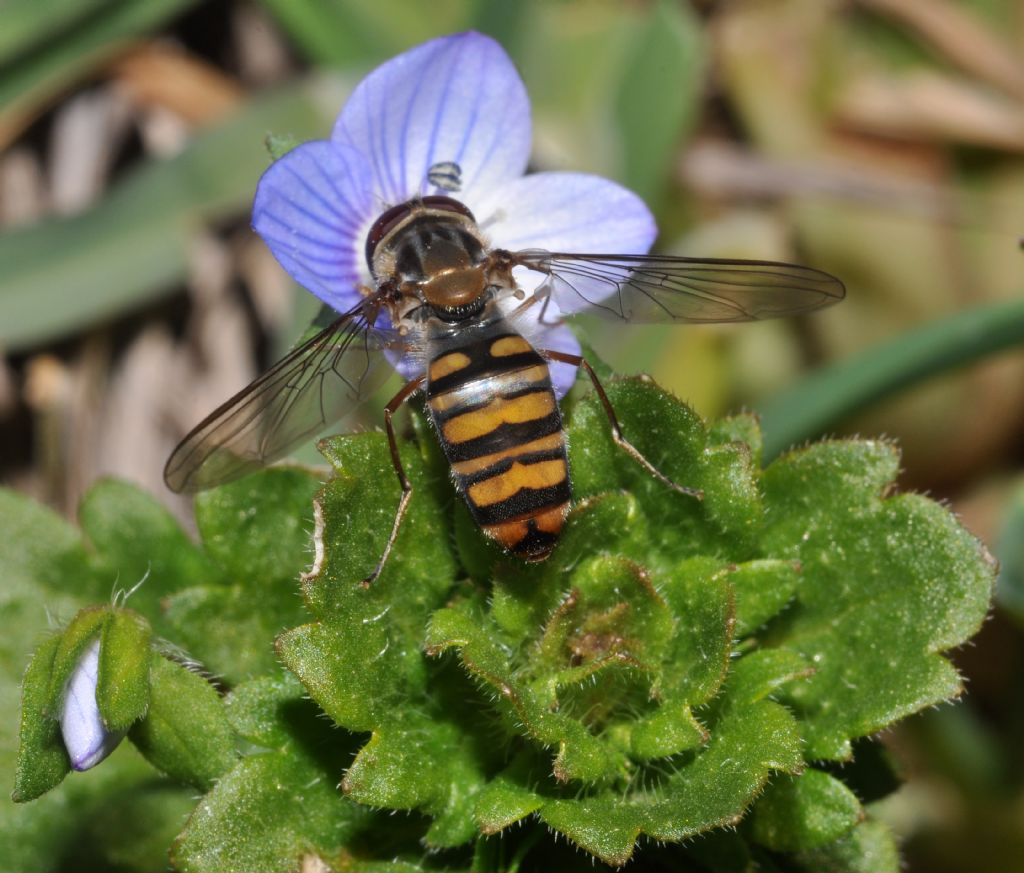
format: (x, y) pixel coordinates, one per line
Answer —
(455, 319)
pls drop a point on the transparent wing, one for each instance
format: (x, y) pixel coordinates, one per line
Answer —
(315, 385)
(656, 288)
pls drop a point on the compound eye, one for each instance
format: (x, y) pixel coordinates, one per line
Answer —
(382, 226)
(396, 214)
(448, 204)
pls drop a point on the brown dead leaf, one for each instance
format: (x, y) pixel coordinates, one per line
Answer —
(962, 37)
(930, 106)
(160, 75)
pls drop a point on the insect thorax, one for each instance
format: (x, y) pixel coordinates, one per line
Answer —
(434, 251)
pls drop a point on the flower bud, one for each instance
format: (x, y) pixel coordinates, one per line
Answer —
(87, 740)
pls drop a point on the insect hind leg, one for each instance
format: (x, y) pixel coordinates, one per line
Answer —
(616, 428)
(404, 394)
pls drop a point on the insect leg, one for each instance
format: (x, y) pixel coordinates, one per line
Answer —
(540, 296)
(617, 435)
(407, 390)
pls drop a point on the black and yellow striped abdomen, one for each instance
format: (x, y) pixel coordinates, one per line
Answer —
(490, 397)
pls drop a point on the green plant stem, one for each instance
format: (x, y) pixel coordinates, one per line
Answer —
(834, 393)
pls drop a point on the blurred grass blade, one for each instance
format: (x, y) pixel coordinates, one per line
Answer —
(1010, 552)
(658, 96)
(825, 398)
(64, 274)
(68, 46)
(28, 22)
(346, 32)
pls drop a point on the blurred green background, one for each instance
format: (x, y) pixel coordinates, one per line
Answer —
(880, 140)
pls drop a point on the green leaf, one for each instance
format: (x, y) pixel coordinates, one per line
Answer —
(41, 553)
(263, 711)
(257, 534)
(122, 687)
(136, 540)
(762, 588)
(761, 673)
(868, 848)
(887, 584)
(42, 759)
(331, 663)
(258, 528)
(712, 790)
(396, 768)
(230, 630)
(289, 810)
(357, 513)
(804, 812)
(115, 817)
(185, 732)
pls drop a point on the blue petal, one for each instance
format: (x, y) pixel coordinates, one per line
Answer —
(457, 98)
(566, 212)
(313, 208)
(88, 742)
(561, 339)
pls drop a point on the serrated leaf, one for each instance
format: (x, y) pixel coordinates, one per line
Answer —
(231, 629)
(259, 529)
(579, 754)
(701, 647)
(510, 796)
(289, 809)
(744, 429)
(886, 585)
(136, 540)
(805, 811)
(396, 768)
(760, 673)
(263, 710)
(331, 663)
(712, 790)
(41, 551)
(867, 848)
(762, 588)
(185, 732)
(669, 730)
(357, 512)
(122, 687)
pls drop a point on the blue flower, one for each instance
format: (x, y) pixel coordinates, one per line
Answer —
(454, 99)
(87, 740)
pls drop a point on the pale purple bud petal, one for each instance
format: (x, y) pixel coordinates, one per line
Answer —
(88, 742)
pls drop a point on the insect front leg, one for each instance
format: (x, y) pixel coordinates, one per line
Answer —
(617, 435)
(407, 391)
